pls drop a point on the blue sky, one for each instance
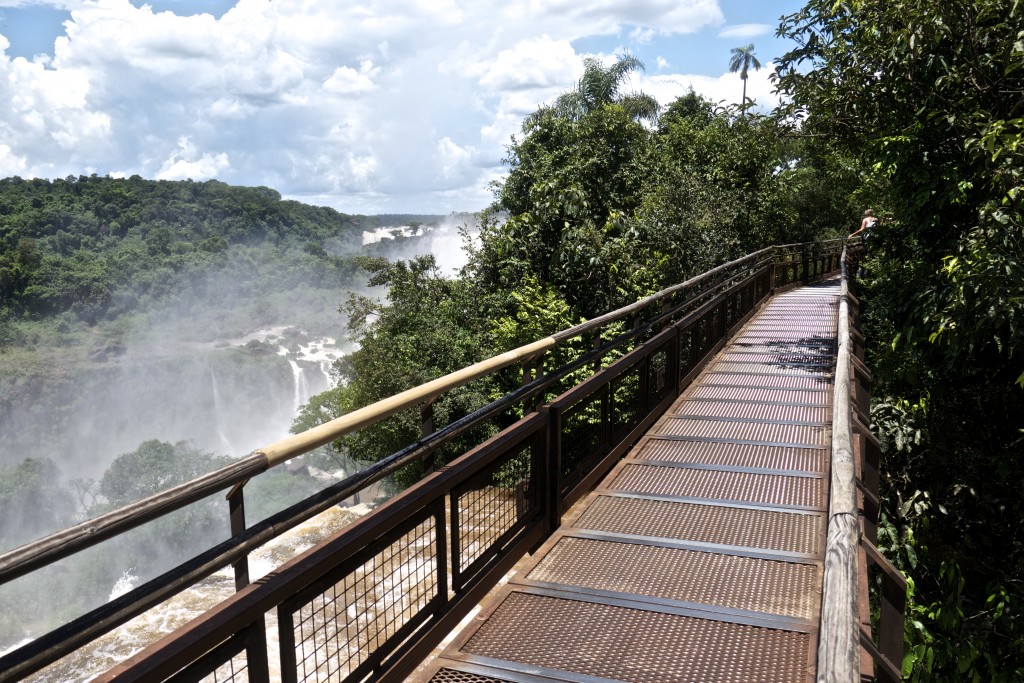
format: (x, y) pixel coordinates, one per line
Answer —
(367, 106)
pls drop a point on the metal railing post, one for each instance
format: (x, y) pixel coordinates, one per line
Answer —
(256, 638)
(236, 509)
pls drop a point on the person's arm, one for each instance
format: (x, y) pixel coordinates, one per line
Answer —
(863, 225)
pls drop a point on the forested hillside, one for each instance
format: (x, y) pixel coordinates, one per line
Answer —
(90, 250)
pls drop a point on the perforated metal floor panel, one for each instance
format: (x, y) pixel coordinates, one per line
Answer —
(636, 645)
(698, 558)
(676, 574)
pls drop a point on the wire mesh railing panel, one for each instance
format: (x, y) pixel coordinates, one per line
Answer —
(234, 670)
(344, 630)
(583, 436)
(659, 372)
(227, 663)
(627, 401)
(491, 506)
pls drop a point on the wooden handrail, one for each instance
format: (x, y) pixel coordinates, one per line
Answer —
(839, 638)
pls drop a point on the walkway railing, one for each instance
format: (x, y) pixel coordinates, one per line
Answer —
(846, 621)
(421, 561)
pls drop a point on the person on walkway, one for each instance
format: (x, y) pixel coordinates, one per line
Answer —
(867, 224)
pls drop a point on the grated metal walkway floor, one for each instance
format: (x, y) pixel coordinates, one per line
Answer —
(699, 558)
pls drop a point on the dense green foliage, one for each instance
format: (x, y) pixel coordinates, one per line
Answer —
(929, 96)
(597, 211)
(91, 249)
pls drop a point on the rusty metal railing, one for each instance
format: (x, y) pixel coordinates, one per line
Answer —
(664, 340)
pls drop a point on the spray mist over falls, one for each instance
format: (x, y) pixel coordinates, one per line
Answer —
(228, 398)
(445, 241)
(199, 377)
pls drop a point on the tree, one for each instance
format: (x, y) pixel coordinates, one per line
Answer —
(601, 85)
(153, 467)
(721, 185)
(32, 502)
(742, 59)
(572, 186)
(429, 326)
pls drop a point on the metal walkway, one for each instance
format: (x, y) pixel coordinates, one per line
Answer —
(699, 558)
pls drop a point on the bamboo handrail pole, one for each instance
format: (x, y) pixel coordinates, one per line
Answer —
(657, 296)
(351, 422)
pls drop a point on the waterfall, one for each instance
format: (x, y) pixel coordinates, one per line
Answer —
(299, 382)
(218, 415)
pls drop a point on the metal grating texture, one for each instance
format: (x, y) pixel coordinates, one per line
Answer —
(782, 531)
(635, 645)
(798, 396)
(784, 458)
(755, 411)
(769, 586)
(819, 382)
(807, 340)
(453, 676)
(771, 489)
(773, 369)
(777, 357)
(762, 432)
(814, 339)
(339, 629)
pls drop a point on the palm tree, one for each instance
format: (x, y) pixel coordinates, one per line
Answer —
(602, 85)
(742, 59)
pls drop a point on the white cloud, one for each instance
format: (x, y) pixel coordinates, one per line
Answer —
(534, 63)
(186, 162)
(746, 30)
(347, 81)
(393, 105)
(455, 161)
(10, 163)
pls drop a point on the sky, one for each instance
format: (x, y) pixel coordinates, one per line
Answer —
(366, 106)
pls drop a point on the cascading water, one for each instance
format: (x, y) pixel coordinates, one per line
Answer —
(227, 397)
(299, 381)
(218, 415)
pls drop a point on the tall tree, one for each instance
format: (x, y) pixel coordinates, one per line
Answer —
(601, 85)
(743, 59)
